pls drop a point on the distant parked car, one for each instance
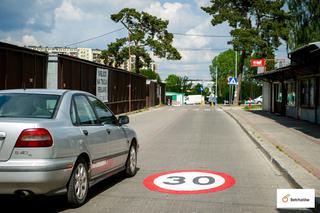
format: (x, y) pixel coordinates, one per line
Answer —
(60, 141)
(258, 100)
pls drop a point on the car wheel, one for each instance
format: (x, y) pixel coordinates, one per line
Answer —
(259, 102)
(131, 164)
(78, 185)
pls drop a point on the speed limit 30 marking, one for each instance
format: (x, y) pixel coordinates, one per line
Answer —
(189, 182)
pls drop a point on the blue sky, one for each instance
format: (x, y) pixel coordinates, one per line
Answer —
(62, 22)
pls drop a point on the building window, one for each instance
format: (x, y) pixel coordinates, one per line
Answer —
(307, 92)
(278, 93)
(312, 90)
(291, 96)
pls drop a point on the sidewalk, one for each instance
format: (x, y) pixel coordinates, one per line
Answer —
(292, 145)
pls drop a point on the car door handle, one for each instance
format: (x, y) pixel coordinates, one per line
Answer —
(85, 132)
(108, 131)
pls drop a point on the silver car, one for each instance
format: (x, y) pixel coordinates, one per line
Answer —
(61, 141)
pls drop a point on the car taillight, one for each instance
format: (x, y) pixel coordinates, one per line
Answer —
(34, 138)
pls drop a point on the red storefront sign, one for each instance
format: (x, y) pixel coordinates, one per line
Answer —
(258, 62)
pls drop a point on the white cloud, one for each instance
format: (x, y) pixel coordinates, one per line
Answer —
(29, 40)
(7, 39)
(67, 11)
(31, 21)
(71, 21)
(180, 15)
(202, 3)
(138, 4)
(26, 40)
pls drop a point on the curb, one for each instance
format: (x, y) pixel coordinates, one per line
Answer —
(274, 161)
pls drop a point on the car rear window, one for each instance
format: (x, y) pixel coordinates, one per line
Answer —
(28, 105)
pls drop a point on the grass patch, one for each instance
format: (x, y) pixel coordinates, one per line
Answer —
(252, 107)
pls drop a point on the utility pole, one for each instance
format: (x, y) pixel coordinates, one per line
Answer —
(236, 65)
(129, 86)
(216, 82)
(236, 74)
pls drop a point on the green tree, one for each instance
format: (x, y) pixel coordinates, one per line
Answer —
(206, 92)
(304, 25)
(185, 85)
(196, 89)
(147, 33)
(258, 26)
(116, 53)
(224, 63)
(173, 83)
(176, 83)
(150, 74)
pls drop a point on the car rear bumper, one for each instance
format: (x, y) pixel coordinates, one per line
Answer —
(35, 176)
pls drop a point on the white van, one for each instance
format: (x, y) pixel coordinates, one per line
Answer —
(193, 99)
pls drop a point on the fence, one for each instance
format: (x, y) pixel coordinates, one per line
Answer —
(155, 93)
(25, 68)
(126, 90)
(75, 73)
(21, 67)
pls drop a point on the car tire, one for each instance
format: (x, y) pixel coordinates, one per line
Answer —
(78, 186)
(131, 164)
(259, 102)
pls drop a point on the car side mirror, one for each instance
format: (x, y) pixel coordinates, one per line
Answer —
(123, 119)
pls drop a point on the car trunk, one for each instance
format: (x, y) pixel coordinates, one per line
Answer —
(10, 129)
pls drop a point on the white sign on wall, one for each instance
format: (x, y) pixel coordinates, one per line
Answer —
(102, 84)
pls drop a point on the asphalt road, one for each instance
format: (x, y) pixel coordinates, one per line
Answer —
(182, 138)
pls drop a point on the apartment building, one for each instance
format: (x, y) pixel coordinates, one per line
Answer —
(88, 54)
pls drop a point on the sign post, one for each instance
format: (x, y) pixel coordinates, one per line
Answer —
(201, 90)
(102, 84)
(231, 81)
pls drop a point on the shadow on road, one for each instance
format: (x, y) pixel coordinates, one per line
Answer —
(51, 204)
(305, 127)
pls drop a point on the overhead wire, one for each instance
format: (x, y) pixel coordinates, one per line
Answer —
(179, 34)
(93, 38)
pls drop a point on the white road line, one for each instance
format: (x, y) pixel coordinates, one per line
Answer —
(172, 109)
(207, 110)
(195, 109)
(219, 110)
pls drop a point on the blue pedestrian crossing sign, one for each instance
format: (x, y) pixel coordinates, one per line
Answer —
(232, 80)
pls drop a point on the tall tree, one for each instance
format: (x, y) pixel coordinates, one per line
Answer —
(116, 53)
(224, 64)
(258, 26)
(185, 85)
(305, 24)
(173, 83)
(150, 74)
(147, 33)
(176, 83)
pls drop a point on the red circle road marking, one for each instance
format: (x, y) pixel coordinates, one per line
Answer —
(149, 183)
